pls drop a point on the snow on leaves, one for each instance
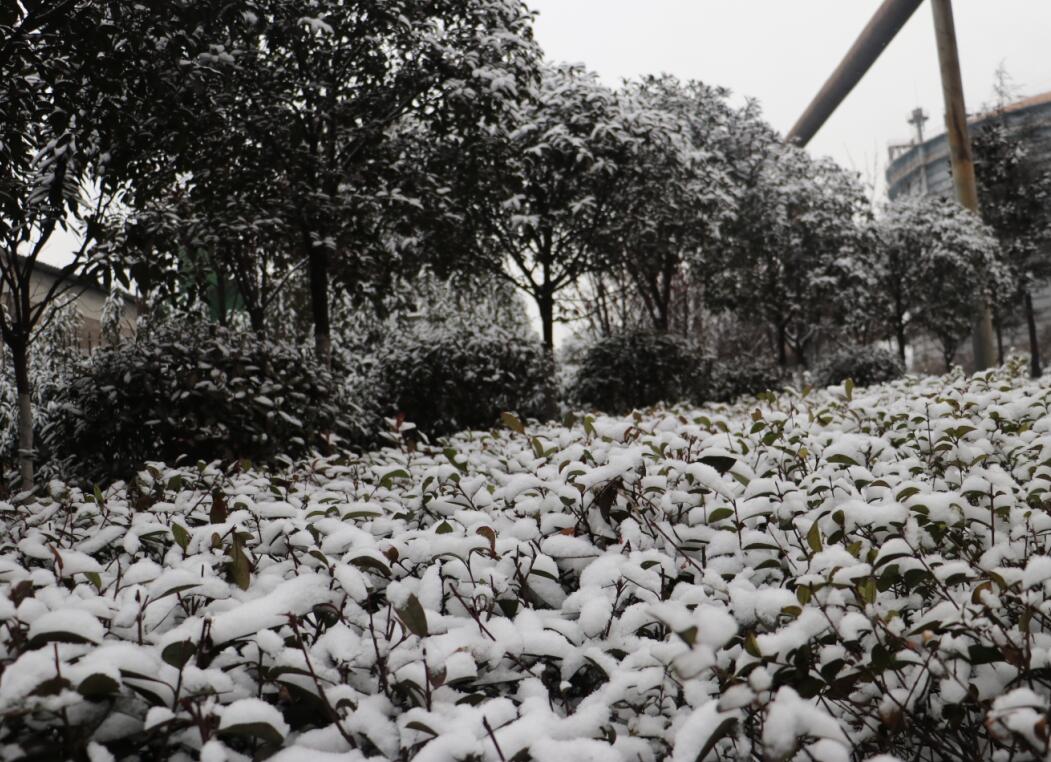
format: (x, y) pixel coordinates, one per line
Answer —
(828, 576)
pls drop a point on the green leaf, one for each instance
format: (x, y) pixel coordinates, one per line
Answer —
(721, 463)
(510, 420)
(452, 455)
(414, 617)
(387, 480)
(57, 636)
(97, 686)
(813, 538)
(848, 385)
(906, 493)
(868, 590)
(843, 460)
(881, 658)
(542, 573)
(239, 568)
(719, 514)
(261, 730)
(538, 447)
(368, 563)
(217, 513)
(367, 514)
(178, 653)
(417, 725)
(51, 687)
(983, 654)
(181, 536)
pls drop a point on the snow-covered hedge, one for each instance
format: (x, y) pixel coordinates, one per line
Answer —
(195, 390)
(448, 378)
(827, 577)
(864, 365)
(727, 379)
(633, 369)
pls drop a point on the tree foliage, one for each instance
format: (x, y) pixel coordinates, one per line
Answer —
(935, 260)
(543, 201)
(1015, 190)
(798, 219)
(73, 80)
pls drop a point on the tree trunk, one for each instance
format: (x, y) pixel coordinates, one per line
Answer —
(257, 321)
(900, 328)
(686, 310)
(782, 350)
(661, 321)
(998, 326)
(545, 303)
(799, 349)
(1035, 367)
(318, 265)
(20, 358)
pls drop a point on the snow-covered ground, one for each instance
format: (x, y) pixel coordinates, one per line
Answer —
(824, 576)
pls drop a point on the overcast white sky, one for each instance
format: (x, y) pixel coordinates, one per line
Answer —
(781, 52)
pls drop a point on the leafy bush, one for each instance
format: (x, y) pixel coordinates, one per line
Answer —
(444, 379)
(824, 577)
(188, 389)
(865, 365)
(726, 380)
(632, 369)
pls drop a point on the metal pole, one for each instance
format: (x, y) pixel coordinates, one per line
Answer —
(962, 161)
(876, 35)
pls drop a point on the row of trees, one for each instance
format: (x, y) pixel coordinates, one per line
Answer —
(236, 143)
(264, 151)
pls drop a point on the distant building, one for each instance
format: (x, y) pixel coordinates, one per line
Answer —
(922, 167)
(89, 298)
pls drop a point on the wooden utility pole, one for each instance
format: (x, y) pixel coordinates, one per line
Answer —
(962, 161)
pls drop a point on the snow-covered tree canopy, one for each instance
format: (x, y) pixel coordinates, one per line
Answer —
(937, 260)
(682, 190)
(798, 218)
(304, 123)
(570, 169)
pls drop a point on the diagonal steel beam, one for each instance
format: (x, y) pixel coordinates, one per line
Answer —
(876, 35)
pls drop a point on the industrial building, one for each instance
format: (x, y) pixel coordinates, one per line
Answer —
(922, 166)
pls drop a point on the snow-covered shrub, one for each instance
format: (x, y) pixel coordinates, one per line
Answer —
(445, 379)
(864, 365)
(189, 389)
(632, 369)
(829, 577)
(726, 379)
